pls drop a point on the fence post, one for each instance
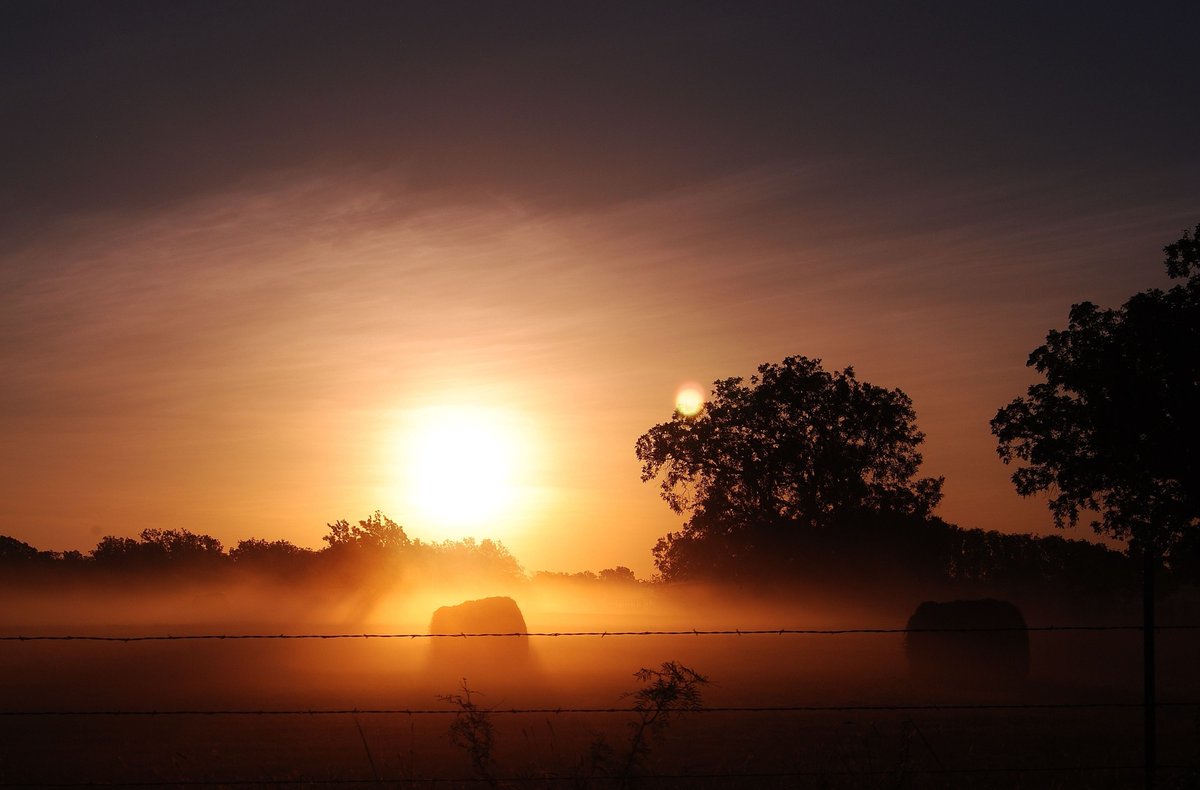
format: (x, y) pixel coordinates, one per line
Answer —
(1149, 563)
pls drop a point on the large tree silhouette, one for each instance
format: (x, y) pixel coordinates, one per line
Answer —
(1113, 430)
(766, 463)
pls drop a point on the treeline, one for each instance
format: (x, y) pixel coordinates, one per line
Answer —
(875, 551)
(354, 553)
(894, 550)
(375, 543)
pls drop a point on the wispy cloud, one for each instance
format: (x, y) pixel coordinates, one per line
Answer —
(242, 343)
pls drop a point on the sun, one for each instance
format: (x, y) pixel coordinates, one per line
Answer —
(461, 467)
(689, 400)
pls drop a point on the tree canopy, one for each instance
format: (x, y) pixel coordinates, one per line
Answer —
(158, 547)
(795, 449)
(375, 533)
(1113, 430)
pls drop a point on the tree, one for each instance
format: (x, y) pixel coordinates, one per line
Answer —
(281, 556)
(469, 559)
(116, 550)
(16, 551)
(1113, 429)
(181, 545)
(375, 533)
(619, 575)
(159, 548)
(791, 453)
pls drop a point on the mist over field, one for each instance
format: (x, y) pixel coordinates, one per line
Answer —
(261, 605)
(560, 672)
(767, 395)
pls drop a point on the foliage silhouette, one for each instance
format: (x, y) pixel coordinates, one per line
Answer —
(376, 532)
(894, 548)
(159, 548)
(767, 464)
(1113, 429)
(468, 559)
(620, 575)
(473, 731)
(667, 692)
(274, 556)
(13, 551)
(366, 557)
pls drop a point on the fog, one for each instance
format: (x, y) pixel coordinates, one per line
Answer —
(562, 668)
(407, 673)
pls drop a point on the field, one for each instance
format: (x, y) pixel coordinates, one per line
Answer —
(323, 712)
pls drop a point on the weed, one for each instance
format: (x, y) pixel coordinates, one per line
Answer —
(666, 693)
(473, 731)
(366, 747)
(875, 761)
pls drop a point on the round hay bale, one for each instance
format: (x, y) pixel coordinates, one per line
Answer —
(482, 655)
(942, 648)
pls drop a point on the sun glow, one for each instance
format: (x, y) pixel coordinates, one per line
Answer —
(462, 469)
(689, 400)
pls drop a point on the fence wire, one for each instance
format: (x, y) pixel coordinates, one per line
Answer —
(600, 634)
(558, 711)
(615, 779)
(732, 632)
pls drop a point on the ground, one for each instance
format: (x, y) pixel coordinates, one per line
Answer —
(885, 747)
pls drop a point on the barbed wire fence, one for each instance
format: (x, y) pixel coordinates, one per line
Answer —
(601, 634)
(748, 775)
(606, 780)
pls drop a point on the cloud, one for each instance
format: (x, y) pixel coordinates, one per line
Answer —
(257, 341)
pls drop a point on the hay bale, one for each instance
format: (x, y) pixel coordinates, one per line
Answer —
(955, 657)
(475, 656)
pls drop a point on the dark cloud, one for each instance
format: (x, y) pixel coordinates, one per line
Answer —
(133, 104)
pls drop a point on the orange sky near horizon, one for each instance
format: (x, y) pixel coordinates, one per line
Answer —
(245, 366)
(253, 254)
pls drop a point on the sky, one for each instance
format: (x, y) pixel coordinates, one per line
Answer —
(261, 263)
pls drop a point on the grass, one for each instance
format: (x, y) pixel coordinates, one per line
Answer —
(665, 694)
(832, 751)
